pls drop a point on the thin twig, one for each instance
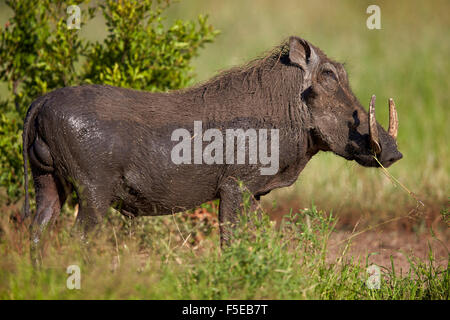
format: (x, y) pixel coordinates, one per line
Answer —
(184, 239)
(173, 216)
(117, 246)
(392, 178)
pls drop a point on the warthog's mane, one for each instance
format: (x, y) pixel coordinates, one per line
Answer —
(251, 74)
(268, 87)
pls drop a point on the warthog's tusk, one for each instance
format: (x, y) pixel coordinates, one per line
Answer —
(393, 119)
(373, 130)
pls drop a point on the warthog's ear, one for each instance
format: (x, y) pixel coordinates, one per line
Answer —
(303, 55)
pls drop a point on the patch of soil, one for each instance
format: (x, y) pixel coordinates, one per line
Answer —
(399, 237)
(382, 244)
(419, 219)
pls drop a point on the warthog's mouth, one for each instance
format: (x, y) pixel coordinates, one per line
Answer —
(369, 160)
(366, 160)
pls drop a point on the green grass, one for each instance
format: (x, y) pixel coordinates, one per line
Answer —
(156, 258)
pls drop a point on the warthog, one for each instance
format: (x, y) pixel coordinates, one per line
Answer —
(113, 146)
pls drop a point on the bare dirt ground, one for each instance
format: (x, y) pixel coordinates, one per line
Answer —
(381, 245)
(407, 236)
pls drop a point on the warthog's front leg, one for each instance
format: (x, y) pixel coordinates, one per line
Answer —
(230, 208)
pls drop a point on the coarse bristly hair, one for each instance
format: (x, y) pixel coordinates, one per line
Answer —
(250, 73)
(270, 85)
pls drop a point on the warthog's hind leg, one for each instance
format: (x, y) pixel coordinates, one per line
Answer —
(50, 196)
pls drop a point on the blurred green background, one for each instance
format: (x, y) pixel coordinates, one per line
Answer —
(407, 60)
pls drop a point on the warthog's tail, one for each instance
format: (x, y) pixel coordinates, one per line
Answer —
(27, 136)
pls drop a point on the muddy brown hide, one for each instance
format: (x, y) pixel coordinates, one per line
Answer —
(113, 145)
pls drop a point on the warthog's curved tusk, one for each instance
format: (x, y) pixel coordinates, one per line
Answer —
(393, 119)
(373, 130)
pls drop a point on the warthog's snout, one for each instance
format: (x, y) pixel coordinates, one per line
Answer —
(377, 142)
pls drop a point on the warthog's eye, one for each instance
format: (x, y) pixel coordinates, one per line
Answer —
(329, 78)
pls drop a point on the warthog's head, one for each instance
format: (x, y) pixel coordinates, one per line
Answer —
(338, 121)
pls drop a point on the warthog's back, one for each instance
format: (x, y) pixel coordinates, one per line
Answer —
(119, 139)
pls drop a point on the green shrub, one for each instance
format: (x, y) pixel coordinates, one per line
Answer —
(39, 53)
